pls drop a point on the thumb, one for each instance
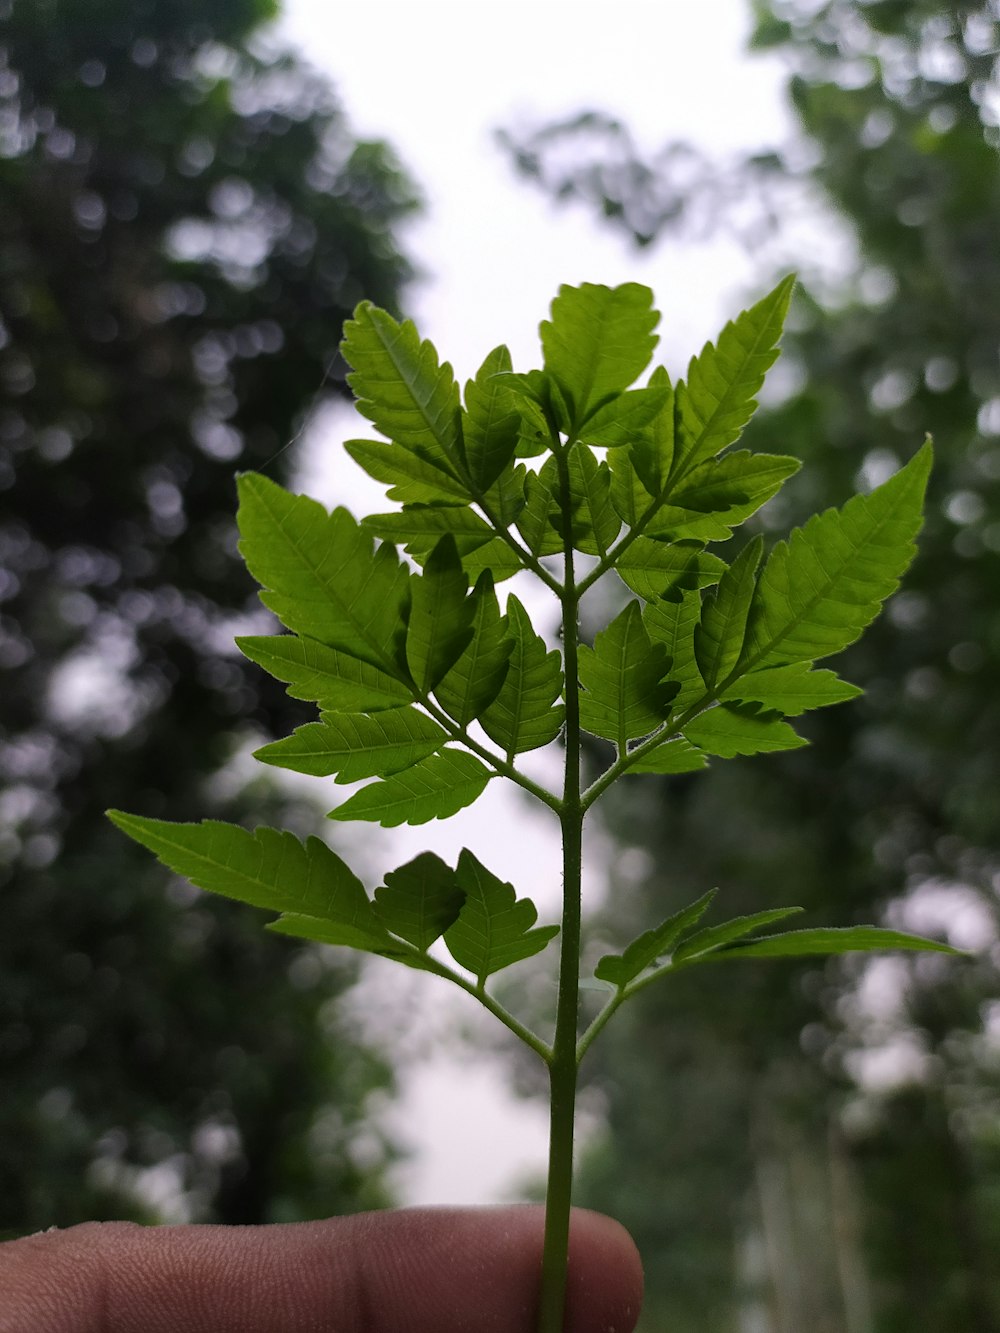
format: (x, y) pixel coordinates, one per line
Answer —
(421, 1270)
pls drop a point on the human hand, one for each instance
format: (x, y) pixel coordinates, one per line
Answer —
(419, 1270)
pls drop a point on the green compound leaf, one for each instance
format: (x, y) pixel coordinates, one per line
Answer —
(435, 788)
(411, 480)
(400, 386)
(475, 680)
(494, 927)
(718, 398)
(703, 942)
(441, 615)
(333, 680)
(719, 638)
(654, 569)
(595, 522)
(492, 423)
(832, 940)
(624, 695)
(740, 729)
(791, 689)
(648, 949)
(525, 714)
(265, 868)
(821, 588)
(597, 342)
(673, 756)
(673, 624)
(419, 901)
(356, 745)
(320, 575)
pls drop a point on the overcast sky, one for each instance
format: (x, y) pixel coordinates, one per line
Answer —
(437, 80)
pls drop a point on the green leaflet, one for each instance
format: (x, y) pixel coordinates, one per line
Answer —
(718, 639)
(623, 419)
(410, 478)
(320, 575)
(654, 569)
(673, 756)
(419, 901)
(673, 624)
(333, 680)
(401, 388)
(729, 730)
(648, 949)
(492, 423)
(419, 528)
(494, 927)
(475, 680)
(720, 494)
(265, 868)
(718, 398)
(441, 615)
(703, 942)
(506, 498)
(541, 520)
(595, 523)
(435, 788)
(357, 745)
(525, 714)
(598, 340)
(831, 940)
(624, 695)
(791, 689)
(820, 589)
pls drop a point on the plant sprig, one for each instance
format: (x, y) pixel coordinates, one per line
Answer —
(428, 690)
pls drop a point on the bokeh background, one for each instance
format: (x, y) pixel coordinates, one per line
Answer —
(193, 196)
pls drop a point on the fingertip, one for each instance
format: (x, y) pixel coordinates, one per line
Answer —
(605, 1278)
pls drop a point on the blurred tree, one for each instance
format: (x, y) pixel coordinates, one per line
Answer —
(827, 1144)
(186, 220)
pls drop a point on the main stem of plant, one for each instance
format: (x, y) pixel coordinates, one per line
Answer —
(563, 1065)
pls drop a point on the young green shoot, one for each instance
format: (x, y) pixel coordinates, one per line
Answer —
(429, 687)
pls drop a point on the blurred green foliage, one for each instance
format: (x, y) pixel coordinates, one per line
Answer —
(828, 1141)
(186, 221)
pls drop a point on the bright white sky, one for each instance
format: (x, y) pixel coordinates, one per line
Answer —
(436, 79)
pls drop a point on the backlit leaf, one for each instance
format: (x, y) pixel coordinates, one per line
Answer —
(410, 478)
(494, 927)
(595, 523)
(624, 418)
(435, 788)
(598, 341)
(441, 614)
(492, 423)
(357, 745)
(620, 969)
(655, 569)
(623, 695)
(740, 729)
(831, 940)
(673, 623)
(335, 681)
(704, 942)
(420, 900)
(673, 756)
(320, 575)
(718, 639)
(475, 680)
(525, 714)
(401, 387)
(718, 398)
(791, 689)
(820, 589)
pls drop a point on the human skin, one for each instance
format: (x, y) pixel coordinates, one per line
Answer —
(419, 1270)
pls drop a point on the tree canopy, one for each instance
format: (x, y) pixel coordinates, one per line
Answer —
(187, 219)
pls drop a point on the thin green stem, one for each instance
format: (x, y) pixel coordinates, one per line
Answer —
(502, 767)
(563, 1065)
(525, 1034)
